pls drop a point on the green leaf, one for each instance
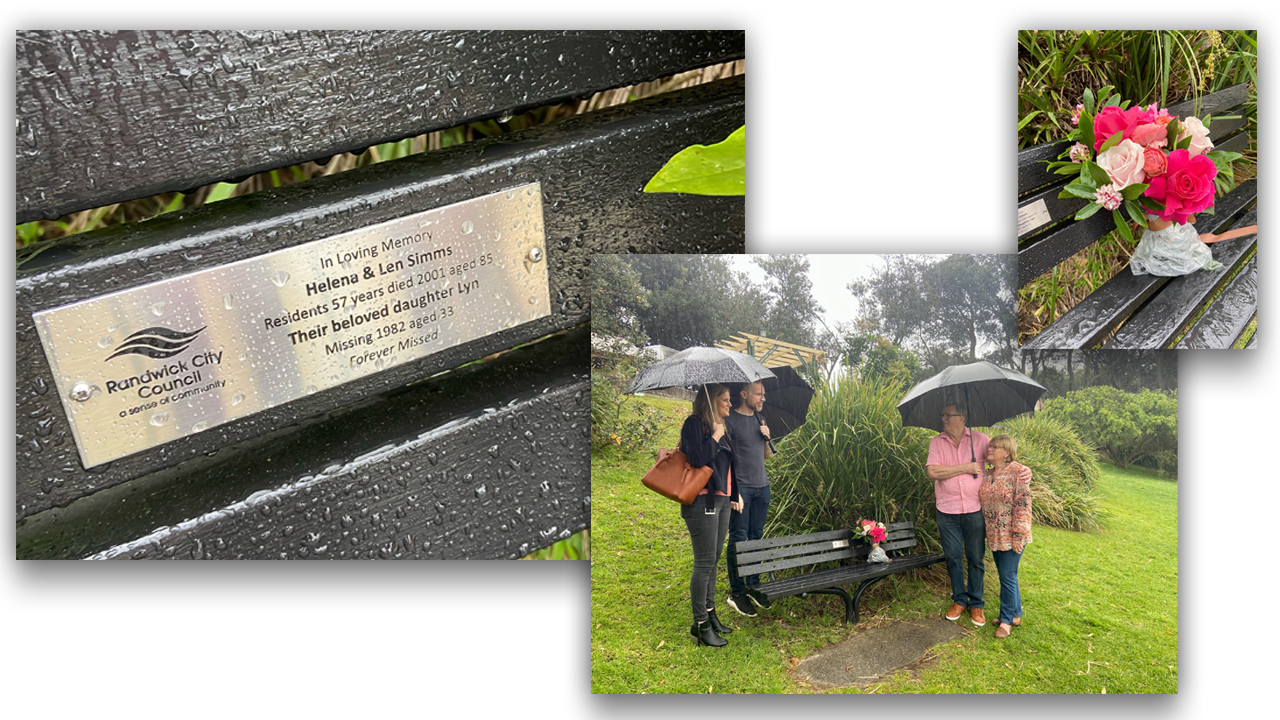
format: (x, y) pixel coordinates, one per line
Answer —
(174, 204)
(1023, 122)
(1111, 142)
(1080, 190)
(1088, 101)
(1135, 211)
(1068, 170)
(1086, 129)
(1100, 176)
(1121, 225)
(222, 191)
(1221, 156)
(1132, 191)
(1088, 210)
(1172, 130)
(719, 169)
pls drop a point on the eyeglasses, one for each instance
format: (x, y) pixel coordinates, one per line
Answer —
(946, 415)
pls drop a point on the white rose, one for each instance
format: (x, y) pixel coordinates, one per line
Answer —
(1123, 163)
(1199, 134)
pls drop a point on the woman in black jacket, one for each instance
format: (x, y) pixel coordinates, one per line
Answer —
(704, 441)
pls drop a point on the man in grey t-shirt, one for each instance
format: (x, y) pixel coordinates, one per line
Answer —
(749, 436)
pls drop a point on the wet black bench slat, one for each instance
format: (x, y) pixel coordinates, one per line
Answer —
(1182, 299)
(1226, 319)
(104, 117)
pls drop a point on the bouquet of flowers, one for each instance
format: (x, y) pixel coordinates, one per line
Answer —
(1144, 159)
(875, 533)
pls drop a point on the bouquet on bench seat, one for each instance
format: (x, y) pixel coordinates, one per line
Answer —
(1161, 168)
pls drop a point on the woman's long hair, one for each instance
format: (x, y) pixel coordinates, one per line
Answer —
(704, 404)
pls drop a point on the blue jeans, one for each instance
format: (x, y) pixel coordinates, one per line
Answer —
(746, 525)
(1010, 595)
(963, 538)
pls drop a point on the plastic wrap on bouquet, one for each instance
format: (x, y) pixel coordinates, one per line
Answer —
(1175, 250)
(877, 555)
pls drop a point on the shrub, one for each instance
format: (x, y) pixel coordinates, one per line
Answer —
(1126, 428)
(617, 420)
(1064, 471)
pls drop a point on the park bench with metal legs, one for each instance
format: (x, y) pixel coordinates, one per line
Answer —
(477, 447)
(815, 553)
(1207, 309)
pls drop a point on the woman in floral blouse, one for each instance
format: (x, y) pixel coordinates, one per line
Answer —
(1006, 507)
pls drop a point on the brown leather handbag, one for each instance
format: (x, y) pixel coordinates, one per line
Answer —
(673, 477)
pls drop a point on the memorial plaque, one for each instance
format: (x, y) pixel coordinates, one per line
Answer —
(144, 366)
(1033, 216)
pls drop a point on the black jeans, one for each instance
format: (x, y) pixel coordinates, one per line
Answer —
(707, 532)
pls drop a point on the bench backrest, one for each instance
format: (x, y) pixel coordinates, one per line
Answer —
(1047, 231)
(486, 461)
(793, 551)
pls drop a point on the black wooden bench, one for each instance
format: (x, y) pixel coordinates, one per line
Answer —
(478, 450)
(835, 547)
(1208, 309)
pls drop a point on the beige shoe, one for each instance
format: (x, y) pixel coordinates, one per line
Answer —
(978, 617)
(955, 611)
(1004, 630)
(1016, 622)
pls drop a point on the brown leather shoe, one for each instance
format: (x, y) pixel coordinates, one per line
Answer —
(1016, 622)
(955, 611)
(1004, 630)
(977, 616)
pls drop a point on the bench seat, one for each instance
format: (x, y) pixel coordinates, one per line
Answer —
(771, 555)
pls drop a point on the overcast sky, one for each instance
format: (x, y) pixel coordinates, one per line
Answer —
(830, 275)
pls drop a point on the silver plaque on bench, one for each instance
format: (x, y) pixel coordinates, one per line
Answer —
(144, 366)
(1033, 216)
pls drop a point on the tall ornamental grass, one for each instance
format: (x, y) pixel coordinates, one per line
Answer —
(1064, 471)
(852, 459)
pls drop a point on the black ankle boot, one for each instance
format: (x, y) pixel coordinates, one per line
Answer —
(707, 636)
(716, 625)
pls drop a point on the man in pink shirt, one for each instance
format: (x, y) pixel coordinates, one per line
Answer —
(956, 469)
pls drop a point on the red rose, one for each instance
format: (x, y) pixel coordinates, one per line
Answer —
(1185, 188)
(1111, 120)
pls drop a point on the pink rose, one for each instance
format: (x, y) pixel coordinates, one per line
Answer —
(1185, 188)
(1150, 135)
(1111, 120)
(1199, 134)
(1123, 163)
(1153, 162)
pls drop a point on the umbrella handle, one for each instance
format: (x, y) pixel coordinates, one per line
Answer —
(772, 448)
(973, 455)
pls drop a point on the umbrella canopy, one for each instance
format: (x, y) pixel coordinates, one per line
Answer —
(990, 392)
(699, 366)
(786, 404)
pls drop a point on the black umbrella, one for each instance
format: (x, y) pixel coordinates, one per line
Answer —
(699, 366)
(786, 404)
(991, 394)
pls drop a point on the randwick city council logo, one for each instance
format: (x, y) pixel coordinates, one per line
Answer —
(156, 342)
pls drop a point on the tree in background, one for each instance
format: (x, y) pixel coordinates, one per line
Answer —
(1126, 428)
(876, 357)
(617, 300)
(696, 299)
(792, 311)
(1061, 371)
